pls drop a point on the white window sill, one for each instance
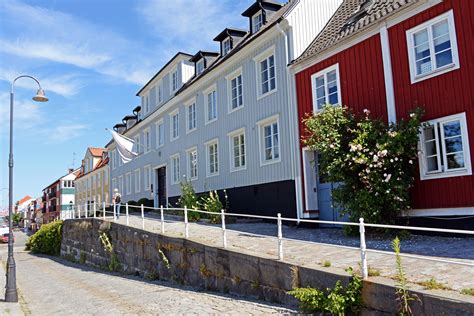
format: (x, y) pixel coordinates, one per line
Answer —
(446, 174)
(212, 175)
(238, 169)
(270, 162)
(173, 139)
(191, 130)
(211, 121)
(266, 94)
(434, 73)
(231, 110)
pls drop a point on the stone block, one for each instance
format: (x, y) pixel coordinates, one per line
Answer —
(243, 267)
(275, 274)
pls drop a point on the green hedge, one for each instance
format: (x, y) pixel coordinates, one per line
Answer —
(47, 240)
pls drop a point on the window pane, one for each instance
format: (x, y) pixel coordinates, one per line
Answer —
(429, 133)
(333, 98)
(430, 148)
(444, 58)
(452, 129)
(420, 37)
(423, 66)
(440, 29)
(455, 161)
(320, 92)
(453, 144)
(332, 87)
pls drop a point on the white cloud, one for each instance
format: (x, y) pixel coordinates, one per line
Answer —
(192, 25)
(54, 36)
(26, 114)
(66, 85)
(63, 132)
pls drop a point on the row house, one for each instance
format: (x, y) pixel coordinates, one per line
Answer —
(224, 120)
(390, 57)
(58, 196)
(92, 182)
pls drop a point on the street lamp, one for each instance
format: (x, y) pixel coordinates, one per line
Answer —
(11, 293)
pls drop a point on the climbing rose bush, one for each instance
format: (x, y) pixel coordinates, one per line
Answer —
(373, 162)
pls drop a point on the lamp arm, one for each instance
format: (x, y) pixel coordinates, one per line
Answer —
(25, 76)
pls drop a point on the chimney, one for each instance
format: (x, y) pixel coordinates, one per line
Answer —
(70, 170)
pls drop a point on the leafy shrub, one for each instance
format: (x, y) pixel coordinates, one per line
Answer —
(132, 202)
(212, 203)
(47, 240)
(336, 301)
(189, 199)
(373, 161)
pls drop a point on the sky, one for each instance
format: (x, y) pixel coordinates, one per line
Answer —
(91, 57)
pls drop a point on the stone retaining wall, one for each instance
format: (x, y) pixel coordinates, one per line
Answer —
(156, 256)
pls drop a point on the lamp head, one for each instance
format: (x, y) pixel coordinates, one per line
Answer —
(40, 97)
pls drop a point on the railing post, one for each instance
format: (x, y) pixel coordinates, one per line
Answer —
(115, 217)
(143, 217)
(86, 210)
(95, 210)
(186, 228)
(162, 220)
(103, 213)
(280, 238)
(73, 212)
(224, 232)
(363, 249)
(126, 212)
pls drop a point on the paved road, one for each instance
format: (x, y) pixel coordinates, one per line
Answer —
(52, 286)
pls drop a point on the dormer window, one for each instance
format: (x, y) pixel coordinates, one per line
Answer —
(257, 22)
(226, 46)
(200, 66)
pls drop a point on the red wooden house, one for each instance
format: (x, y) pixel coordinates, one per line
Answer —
(390, 57)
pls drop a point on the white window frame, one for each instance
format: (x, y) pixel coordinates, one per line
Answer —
(200, 63)
(324, 73)
(160, 92)
(136, 140)
(114, 184)
(160, 134)
(188, 105)
(454, 48)
(147, 177)
(231, 136)
(208, 144)
(206, 93)
(261, 136)
(112, 159)
(229, 79)
(189, 152)
(173, 160)
(173, 81)
(147, 140)
(172, 115)
(442, 171)
(147, 103)
(254, 28)
(120, 184)
(224, 43)
(257, 60)
(137, 176)
(128, 182)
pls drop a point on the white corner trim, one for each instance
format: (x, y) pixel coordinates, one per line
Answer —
(388, 75)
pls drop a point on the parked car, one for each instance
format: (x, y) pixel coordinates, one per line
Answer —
(4, 237)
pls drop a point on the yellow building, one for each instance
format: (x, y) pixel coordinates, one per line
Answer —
(92, 184)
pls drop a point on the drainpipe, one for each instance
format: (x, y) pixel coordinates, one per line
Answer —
(293, 129)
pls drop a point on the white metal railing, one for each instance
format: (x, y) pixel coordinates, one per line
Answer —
(85, 211)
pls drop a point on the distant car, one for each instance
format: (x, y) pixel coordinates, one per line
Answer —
(4, 238)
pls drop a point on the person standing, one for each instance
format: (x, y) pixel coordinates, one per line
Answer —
(117, 202)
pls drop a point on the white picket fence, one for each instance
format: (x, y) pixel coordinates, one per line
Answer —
(92, 211)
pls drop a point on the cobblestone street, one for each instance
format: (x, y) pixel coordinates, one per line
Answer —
(52, 286)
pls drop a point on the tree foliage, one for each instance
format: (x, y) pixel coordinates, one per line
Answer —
(47, 240)
(373, 162)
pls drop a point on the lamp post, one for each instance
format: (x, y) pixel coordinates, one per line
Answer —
(11, 293)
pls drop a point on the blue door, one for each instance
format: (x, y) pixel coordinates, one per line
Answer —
(327, 211)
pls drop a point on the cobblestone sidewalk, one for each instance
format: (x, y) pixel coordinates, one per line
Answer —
(329, 244)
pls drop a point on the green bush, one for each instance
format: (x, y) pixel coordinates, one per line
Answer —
(47, 240)
(146, 202)
(336, 301)
(132, 202)
(189, 199)
(212, 203)
(374, 163)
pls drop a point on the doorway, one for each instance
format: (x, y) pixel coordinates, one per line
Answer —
(160, 192)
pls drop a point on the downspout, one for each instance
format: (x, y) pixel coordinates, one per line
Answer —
(388, 75)
(293, 131)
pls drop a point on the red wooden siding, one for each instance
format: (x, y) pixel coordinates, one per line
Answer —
(360, 75)
(443, 95)
(361, 78)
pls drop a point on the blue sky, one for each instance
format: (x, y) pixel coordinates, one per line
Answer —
(91, 57)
